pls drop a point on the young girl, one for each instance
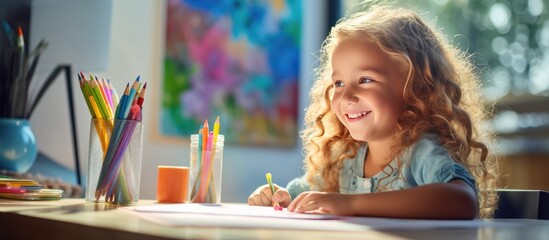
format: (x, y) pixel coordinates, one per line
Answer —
(394, 127)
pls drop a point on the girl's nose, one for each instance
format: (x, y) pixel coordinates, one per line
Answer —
(349, 96)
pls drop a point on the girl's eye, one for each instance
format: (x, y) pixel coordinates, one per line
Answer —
(364, 80)
(339, 84)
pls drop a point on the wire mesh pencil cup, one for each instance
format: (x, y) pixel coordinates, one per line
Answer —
(206, 171)
(114, 161)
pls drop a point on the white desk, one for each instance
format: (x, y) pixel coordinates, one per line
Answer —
(75, 219)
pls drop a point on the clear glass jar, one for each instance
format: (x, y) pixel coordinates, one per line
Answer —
(114, 161)
(206, 170)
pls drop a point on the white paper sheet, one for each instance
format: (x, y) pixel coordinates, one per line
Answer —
(243, 216)
(229, 209)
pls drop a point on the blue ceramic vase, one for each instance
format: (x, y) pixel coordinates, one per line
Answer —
(17, 145)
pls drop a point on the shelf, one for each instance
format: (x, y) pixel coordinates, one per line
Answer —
(540, 132)
(523, 103)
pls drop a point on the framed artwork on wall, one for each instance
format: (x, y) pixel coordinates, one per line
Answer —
(239, 60)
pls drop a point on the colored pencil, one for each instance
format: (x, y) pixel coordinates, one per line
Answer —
(122, 117)
(204, 189)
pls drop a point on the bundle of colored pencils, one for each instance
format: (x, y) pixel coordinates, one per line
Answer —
(115, 121)
(19, 95)
(204, 185)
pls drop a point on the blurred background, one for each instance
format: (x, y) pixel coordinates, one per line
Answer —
(509, 42)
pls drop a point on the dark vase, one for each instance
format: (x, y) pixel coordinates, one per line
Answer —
(17, 145)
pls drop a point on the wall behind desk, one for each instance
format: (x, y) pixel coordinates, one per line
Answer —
(136, 48)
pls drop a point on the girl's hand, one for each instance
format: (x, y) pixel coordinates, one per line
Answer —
(323, 202)
(263, 196)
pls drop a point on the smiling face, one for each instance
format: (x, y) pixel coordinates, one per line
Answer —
(368, 88)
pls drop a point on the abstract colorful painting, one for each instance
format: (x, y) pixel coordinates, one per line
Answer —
(239, 60)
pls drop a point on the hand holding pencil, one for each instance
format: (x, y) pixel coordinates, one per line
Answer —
(269, 177)
(270, 195)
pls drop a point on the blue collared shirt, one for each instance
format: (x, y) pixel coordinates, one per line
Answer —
(425, 162)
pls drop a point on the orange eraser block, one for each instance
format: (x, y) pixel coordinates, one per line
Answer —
(173, 184)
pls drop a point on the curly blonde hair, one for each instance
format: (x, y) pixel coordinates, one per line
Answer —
(441, 94)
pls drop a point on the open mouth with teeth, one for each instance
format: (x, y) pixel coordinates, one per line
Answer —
(353, 116)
